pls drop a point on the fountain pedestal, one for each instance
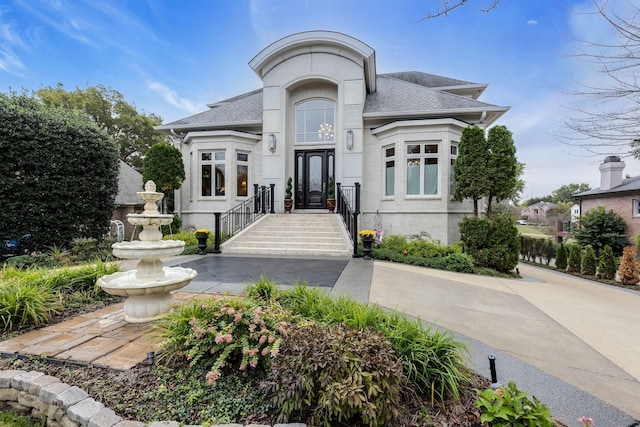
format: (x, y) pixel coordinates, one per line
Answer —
(148, 287)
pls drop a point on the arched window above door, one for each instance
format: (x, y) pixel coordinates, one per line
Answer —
(315, 121)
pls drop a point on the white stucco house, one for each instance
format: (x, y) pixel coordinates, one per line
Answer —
(323, 111)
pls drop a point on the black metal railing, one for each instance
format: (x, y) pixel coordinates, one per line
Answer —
(246, 213)
(348, 207)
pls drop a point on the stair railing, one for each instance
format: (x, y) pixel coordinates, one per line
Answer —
(348, 207)
(246, 213)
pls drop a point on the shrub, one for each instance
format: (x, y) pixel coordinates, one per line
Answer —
(574, 259)
(225, 331)
(432, 360)
(599, 227)
(174, 227)
(23, 304)
(491, 243)
(27, 261)
(549, 251)
(510, 407)
(561, 257)
(460, 263)
(628, 271)
(607, 264)
(59, 172)
(427, 249)
(188, 238)
(588, 263)
(395, 243)
(336, 374)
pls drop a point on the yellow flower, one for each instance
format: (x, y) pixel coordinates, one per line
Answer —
(202, 231)
(367, 234)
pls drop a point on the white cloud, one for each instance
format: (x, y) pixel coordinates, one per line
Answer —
(171, 96)
(9, 40)
(532, 22)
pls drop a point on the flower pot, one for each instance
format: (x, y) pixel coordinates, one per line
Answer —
(202, 244)
(331, 205)
(366, 248)
(288, 203)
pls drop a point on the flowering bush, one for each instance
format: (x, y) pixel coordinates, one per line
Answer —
(508, 406)
(224, 331)
(367, 234)
(586, 421)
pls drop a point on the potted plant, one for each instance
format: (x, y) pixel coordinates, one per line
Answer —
(202, 234)
(288, 201)
(331, 195)
(367, 237)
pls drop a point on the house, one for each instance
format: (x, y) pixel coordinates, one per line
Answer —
(615, 193)
(540, 212)
(575, 213)
(324, 112)
(127, 200)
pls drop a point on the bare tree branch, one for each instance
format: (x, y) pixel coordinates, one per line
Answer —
(444, 7)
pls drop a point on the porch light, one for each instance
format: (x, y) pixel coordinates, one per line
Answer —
(349, 139)
(272, 143)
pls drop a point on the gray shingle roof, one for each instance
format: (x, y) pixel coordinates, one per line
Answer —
(427, 80)
(129, 183)
(242, 108)
(629, 184)
(394, 95)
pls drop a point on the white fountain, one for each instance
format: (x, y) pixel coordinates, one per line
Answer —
(148, 287)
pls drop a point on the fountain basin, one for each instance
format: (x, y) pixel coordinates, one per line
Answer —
(148, 249)
(147, 299)
(146, 219)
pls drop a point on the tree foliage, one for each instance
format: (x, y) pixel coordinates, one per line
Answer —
(628, 271)
(470, 167)
(561, 257)
(502, 166)
(588, 263)
(131, 130)
(607, 264)
(163, 164)
(599, 227)
(565, 193)
(575, 258)
(493, 243)
(59, 173)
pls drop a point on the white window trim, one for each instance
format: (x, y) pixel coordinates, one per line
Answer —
(386, 159)
(213, 162)
(437, 156)
(246, 163)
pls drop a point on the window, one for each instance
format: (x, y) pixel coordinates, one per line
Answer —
(242, 176)
(452, 162)
(422, 169)
(315, 121)
(636, 207)
(389, 171)
(212, 173)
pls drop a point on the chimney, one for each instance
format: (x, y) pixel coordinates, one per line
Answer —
(611, 172)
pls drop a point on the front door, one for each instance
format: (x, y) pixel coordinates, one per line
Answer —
(313, 169)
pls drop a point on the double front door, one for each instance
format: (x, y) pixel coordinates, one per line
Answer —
(313, 170)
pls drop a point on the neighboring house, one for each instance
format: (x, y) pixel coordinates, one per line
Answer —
(127, 200)
(619, 195)
(575, 213)
(322, 112)
(539, 212)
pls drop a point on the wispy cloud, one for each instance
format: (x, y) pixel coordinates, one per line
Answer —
(532, 22)
(172, 97)
(9, 40)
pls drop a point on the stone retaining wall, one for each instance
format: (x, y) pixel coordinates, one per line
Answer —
(36, 394)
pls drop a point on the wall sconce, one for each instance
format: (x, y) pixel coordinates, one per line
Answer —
(349, 139)
(272, 143)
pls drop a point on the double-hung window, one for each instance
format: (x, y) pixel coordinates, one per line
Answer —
(389, 171)
(422, 169)
(212, 170)
(242, 166)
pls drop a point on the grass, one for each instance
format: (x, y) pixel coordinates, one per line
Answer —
(11, 419)
(529, 229)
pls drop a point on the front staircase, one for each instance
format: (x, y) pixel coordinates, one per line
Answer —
(304, 234)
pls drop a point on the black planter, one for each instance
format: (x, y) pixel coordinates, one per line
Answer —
(202, 244)
(366, 247)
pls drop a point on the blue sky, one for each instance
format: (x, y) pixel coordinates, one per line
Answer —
(172, 57)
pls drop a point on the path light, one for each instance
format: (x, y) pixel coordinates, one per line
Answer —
(492, 368)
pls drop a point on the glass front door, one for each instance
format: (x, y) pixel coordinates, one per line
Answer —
(313, 169)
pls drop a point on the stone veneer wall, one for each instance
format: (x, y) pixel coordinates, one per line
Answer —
(36, 394)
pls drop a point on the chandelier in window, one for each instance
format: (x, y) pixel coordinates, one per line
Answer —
(325, 132)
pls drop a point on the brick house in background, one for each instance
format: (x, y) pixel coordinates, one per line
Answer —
(540, 212)
(619, 195)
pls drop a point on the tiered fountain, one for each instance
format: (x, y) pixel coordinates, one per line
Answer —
(148, 287)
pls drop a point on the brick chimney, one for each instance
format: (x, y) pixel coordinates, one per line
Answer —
(611, 172)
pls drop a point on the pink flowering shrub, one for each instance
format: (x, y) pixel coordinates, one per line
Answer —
(224, 332)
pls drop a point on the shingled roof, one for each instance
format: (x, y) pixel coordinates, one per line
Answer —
(628, 185)
(129, 183)
(405, 93)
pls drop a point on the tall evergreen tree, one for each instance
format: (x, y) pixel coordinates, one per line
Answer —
(588, 263)
(561, 257)
(502, 166)
(470, 170)
(163, 164)
(575, 258)
(607, 264)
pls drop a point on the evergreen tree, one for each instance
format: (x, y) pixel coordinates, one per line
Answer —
(607, 264)
(628, 271)
(502, 166)
(599, 227)
(575, 258)
(549, 251)
(163, 164)
(588, 263)
(470, 168)
(561, 257)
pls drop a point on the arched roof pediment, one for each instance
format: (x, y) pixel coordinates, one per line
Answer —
(317, 41)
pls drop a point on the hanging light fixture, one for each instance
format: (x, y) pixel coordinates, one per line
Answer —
(272, 143)
(349, 139)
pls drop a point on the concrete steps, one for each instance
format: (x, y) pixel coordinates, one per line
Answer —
(307, 234)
